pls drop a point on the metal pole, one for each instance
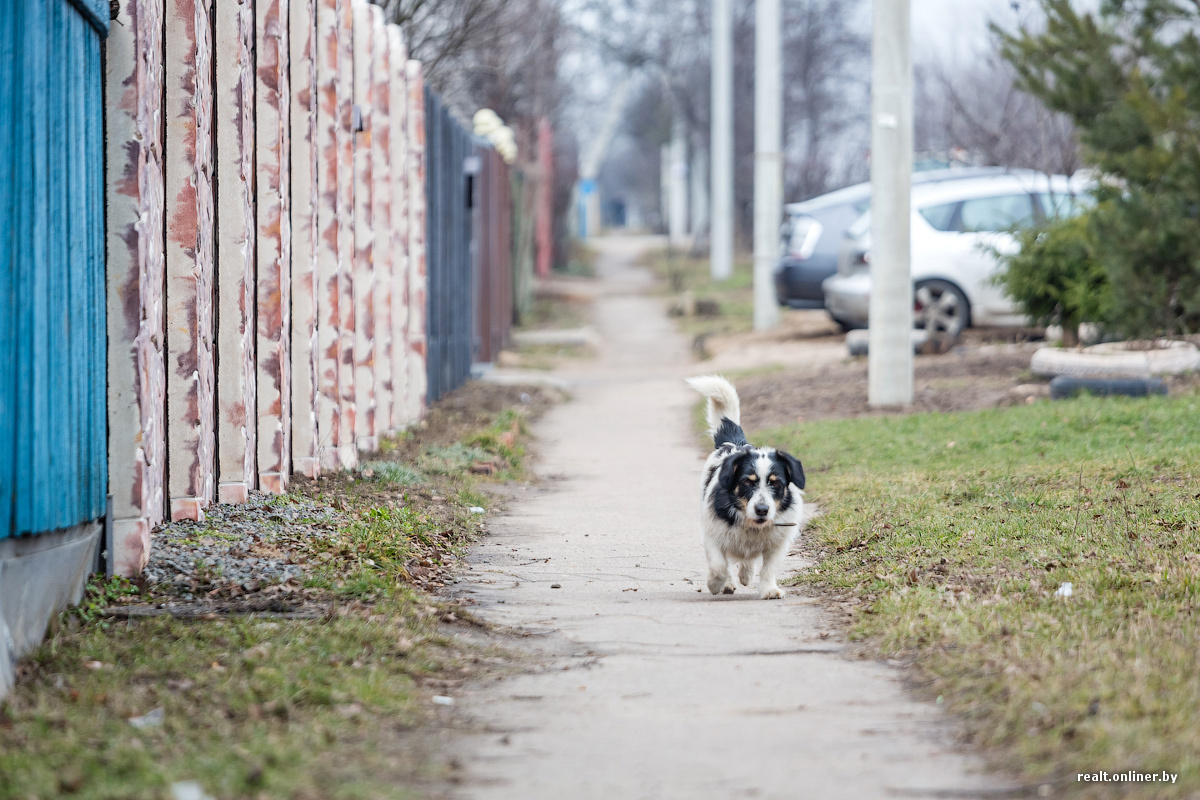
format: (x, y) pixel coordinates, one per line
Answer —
(890, 353)
(768, 165)
(721, 203)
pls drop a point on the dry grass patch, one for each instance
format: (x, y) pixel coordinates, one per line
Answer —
(948, 537)
(316, 684)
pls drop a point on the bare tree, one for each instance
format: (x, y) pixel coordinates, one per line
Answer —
(825, 97)
(498, 54)
(504, 55)
(977, 107)
(826, 100)
(439, 31)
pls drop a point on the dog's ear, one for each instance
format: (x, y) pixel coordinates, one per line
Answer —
(730, 466)
(791, 464)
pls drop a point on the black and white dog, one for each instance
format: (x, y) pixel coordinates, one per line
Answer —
(753, 497)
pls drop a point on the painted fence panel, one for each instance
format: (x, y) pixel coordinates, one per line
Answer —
(304, 200)
(344, 136)
(381, 216)
(417, 274)
(189, 257)
(272, 102)
(52, 304)
(329, 416)
(237, 406)
(363, 268)
(494, 257)
(318, 285)
(135, 222)
(398, 150)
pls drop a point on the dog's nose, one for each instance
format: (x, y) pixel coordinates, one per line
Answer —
(761, 509)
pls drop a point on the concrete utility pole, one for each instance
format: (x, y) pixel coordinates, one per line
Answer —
(677, 187)
(721, 203)
(890, 350)
(698, 191)
(768, 163)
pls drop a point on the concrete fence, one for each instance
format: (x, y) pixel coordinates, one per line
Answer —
(266, 278)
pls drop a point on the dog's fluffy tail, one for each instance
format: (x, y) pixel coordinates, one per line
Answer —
(724, 411)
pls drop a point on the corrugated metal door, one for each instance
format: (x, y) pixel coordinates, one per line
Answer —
(52, 345)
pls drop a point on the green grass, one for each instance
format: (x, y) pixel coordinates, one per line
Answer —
(581, 260)
(550, 356)
(250, 708)
(392, 473)
(681, 273)
(556, 312)
(453, 459)
(498, 444)
(947, 536)
(100, 593)
(272, 708)
(368, 557)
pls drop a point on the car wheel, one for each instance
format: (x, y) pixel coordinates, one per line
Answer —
(940, 307)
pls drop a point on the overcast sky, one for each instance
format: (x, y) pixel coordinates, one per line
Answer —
(958, 28)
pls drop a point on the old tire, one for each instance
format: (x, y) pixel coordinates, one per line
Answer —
(1063, 387)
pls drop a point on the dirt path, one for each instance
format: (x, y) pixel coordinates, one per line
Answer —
(652, 689)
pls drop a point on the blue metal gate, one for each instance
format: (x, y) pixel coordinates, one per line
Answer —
(451, 294)
(52, 301)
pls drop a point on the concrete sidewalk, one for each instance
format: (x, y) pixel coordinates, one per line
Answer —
(655, 689)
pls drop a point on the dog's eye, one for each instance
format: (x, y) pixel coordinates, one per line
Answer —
(773, 479)
(751, 479)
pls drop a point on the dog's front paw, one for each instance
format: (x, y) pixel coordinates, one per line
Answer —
(729, 588)
(772, 593)
(717, 584)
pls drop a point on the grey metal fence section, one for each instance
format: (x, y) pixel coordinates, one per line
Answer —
(451, 282)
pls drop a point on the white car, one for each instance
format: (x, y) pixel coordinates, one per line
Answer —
(955, 226)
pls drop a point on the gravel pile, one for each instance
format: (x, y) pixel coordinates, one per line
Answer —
(239, 549)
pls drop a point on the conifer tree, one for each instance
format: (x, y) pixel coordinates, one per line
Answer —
(1129, 77)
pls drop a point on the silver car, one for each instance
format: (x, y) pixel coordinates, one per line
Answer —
(812, 233)
(957, 227)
